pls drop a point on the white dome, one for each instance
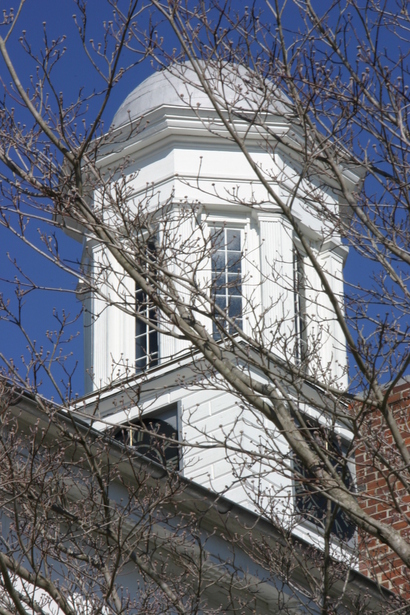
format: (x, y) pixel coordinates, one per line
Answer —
(234, 86)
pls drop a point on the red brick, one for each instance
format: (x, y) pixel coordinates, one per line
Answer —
(375, 492)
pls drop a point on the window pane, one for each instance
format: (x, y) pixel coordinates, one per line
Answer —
(233, 239)
(235, 307)
(140, 353)
(153, 347)
(234, 284)
(140, 328)
(217, 237)
(218, 283)
(218, 261)
(221, 302)
(234, 262)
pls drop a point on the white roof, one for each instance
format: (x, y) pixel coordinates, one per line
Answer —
(236, 88)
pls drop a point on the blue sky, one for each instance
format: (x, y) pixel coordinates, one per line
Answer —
(40, 308)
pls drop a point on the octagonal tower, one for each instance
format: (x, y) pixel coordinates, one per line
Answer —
(169, 144)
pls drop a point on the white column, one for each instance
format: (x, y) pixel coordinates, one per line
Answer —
(277, 284)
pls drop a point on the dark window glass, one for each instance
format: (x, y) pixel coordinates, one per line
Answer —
(146, 336)
(227, 278)
(155, 437)
(310, 502)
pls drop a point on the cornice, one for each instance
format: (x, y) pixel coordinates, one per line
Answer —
(168, 125)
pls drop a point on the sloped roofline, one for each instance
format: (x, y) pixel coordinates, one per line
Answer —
(218, 510)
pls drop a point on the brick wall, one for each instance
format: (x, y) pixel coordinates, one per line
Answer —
(381, 493)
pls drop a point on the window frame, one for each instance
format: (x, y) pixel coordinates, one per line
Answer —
(230, 278)
(148, 353)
